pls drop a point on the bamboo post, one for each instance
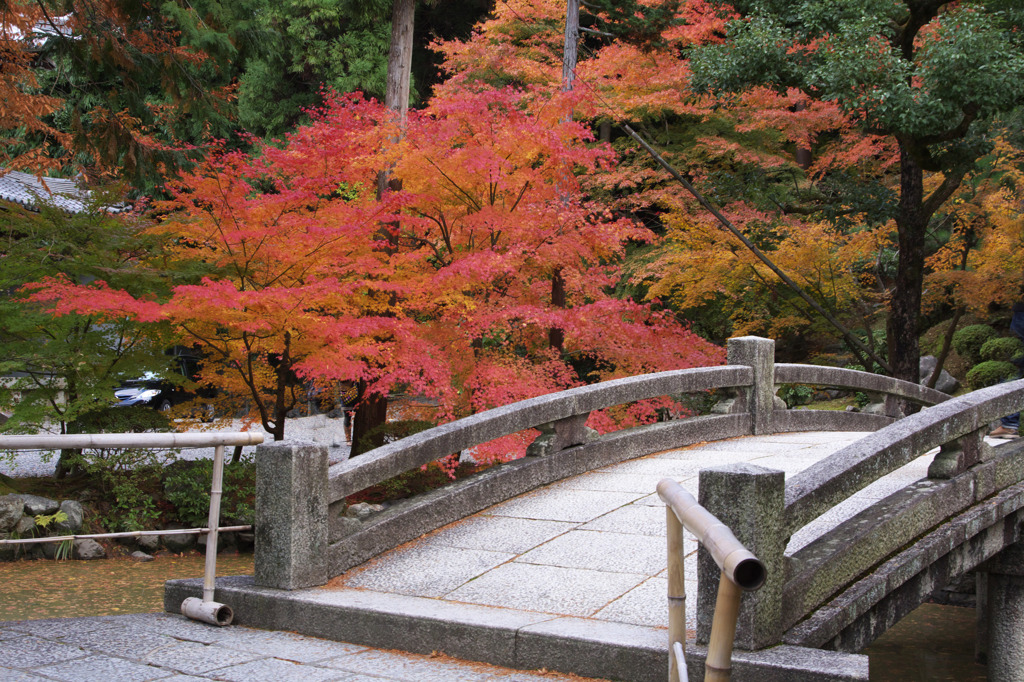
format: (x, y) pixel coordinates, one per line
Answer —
(739, 570)
(718, 664)
(216, 490)
(676, 592)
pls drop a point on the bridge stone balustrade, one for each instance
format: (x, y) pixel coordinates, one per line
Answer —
(838, 592)
(567, 449)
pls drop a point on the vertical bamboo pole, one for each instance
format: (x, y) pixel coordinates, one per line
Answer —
(676, 591)
(216, 488)
(718, 665)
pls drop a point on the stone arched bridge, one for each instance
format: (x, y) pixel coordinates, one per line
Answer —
(821, 603)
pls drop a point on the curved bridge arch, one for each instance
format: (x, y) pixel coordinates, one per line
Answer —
(838, 592)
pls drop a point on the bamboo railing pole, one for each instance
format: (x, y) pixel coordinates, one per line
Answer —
(676, 592)
(128, 440)
(718, 664)
(216, 489)
(124, 534)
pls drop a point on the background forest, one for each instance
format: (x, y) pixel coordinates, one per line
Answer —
(843, 176)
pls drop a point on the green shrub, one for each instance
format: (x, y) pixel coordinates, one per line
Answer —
(132, 506)
(967, 342)
(990, 373)
(1005, 348)
(796, 394)
(187, 487)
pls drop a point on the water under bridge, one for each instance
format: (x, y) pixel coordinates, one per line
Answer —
(557, 560)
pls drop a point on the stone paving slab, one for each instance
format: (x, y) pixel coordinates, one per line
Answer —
(574, 506)
(601, 550)
(427, 571)
(497, 534)
(66, 649)
(547, 589)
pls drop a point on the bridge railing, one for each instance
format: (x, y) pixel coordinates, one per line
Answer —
(305, 501)
(966, 474)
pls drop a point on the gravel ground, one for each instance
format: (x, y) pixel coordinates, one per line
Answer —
(318, 428)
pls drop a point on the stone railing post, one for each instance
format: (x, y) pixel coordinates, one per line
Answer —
(759, 354)
(559, 435)
(1001, 620)
(291, 515)
(959, 455)
(751, 501)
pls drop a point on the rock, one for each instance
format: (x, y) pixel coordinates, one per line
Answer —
(50, 549)
(246, 540)
(76, 514)
(141, 556)
(36, 505)
(947, 383)
(874, 408)
(11, 508)
(25, 526)
(148, 543)
(852, 408)
(7, 552)
(336, 413)
(87, 549)
(225, 542)
(361, 510)
(178, 542)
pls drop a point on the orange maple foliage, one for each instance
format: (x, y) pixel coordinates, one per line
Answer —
(442, 288)
(988, 219)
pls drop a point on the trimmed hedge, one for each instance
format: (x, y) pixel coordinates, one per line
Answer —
(967, 342)
(990, 373)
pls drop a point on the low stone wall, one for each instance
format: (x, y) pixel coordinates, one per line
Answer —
(32, 516)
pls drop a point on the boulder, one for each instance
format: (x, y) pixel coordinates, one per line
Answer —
(75, 514)
(246, 540)
(7, 552)
(225, 542)
(11, 508)
(36, 505)
(141, 556)
(87, 549)
(361, 510)
(50, 549)
(946, 383)
(148, 543)
(25, 526)
(178, 542)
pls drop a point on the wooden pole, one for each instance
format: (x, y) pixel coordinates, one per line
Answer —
(216, 490)
(718, 664)
(676, 592)
(796, 288)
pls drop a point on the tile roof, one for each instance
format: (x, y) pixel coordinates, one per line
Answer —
(28, 190)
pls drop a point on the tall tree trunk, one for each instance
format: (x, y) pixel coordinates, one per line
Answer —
(399, 80)
(572, 38)
(905, 303)
(371, 414)
(284, 370)
(556, 336)
(372, 410)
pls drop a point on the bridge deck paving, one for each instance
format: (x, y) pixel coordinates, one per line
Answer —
(589, 549)
(593, 546)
